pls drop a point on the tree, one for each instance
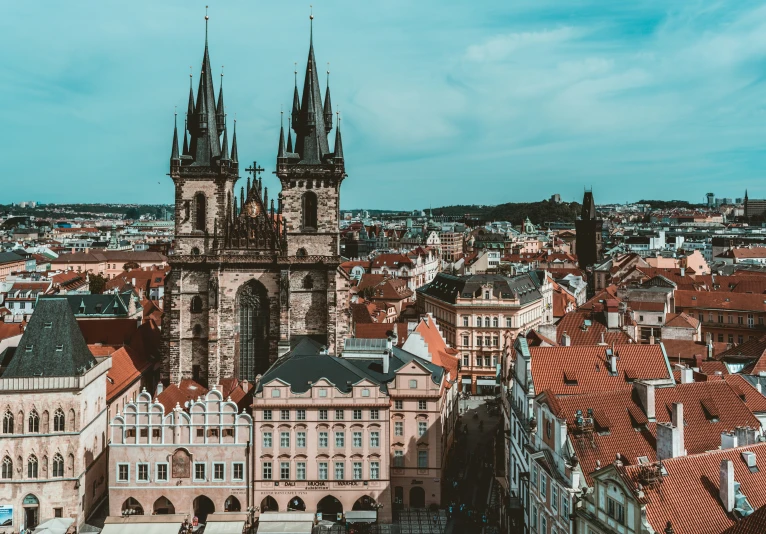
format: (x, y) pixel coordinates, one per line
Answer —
(130, 265)
(132, 213)
(97, 283)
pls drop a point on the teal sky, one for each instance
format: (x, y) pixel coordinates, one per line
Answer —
(443, 102)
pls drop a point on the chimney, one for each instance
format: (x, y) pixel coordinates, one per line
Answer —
(683, 272)
(710, 348)
(646, 395)
(687, 375)
(612, 314)
(678, 422)
(602, 342)
(387, 355)
(728, 440)
(612, 363)
(245, 385)
(698, 361)
(651, 337)
(726, 487)
(749, 458)
(566, 341)
(758, 387)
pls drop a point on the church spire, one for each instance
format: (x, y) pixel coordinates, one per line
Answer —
(174, 156)
(289, 148)
(186, 142)
(224, 143)
(190, 107)
(219, 108)
(234, 155)
(338, 142)
(296, 99)
(204, 147)
(281, 149)
(327, 103)
(311, 134)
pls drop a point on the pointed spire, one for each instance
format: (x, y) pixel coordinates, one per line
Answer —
(272, 209)
(235, 212)
(289, 148)
(338, 142)
(281, 149)
(174, 156)
(186, 143)
(296, 99)
(224, 143)
(265, 196)
(234, 155)
(311, 135)
(248, 186)
(204, 146)
(241, 197)
(327, 104)
(220, 113)
(190, 107)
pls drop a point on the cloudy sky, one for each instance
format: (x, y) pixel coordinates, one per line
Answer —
(443, 102)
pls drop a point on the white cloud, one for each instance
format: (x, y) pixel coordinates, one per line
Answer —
(500, 47)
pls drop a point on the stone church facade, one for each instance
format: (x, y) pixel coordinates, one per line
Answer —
(249, 278)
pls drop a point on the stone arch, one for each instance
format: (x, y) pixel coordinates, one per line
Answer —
(59, 420)
(365, 502)
(232, 504)
(8, 422)
(269, 504)
(330, 506)
(310, 204)
(32, 467)
(301, 253)
(163, 506)
(58, 466)
(6, 469)
(296, 504)
(33, 422)
(417, 497)
(131, 506)
(203, 507)
(196, 304)
(253, 327)
(200, 211)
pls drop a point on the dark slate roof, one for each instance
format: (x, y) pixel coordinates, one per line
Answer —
(448, 288)
(109, 304)
(9, 257)
(304, 364)
(52, 344)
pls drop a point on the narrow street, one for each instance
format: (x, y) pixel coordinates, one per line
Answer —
(471, 469)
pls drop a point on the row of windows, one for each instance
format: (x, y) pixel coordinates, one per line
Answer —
(399, 428)
(486, 361)
(33, 467)
(300, 414)
(740, 319)
(488, 341)
(422, 459)
(33, 421)
(323, 470)
(200, 473)
(323, 439)
(487, 322)
(556, 498)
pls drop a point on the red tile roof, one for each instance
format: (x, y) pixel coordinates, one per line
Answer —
(128, 365)
(180, 393)
(641, 305)
(755, 401)
(441, 354)
(108, 331)
(681, 320)
(720, 300)
(573, 323)
(688, 495)
(11, 329)
(588, 366)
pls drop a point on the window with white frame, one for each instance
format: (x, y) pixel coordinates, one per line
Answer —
(413, 384)
(199, 471)
(284, 470)
(564, 505)
(422, 459)
(534, 474)
(357, 439)
(300, 439)
(340, 439)
(142, 472)
(161, 472)
(284, 440)
(323, 392)
(323, 471)
(300, 470)
(301, 415)
(267, 443)
(374, 414)
(324, 439)
(238, 471)
(219, 471)
(365, 392)
(275, 393)
(339, 470)
(123, 472)
(422, 405)
(284, 415)
(554, 496)
(422, 428)
(339, 415)
(267, 415)
(323, 415)
(357, 415)
(357, 470)
(543, 486)
(374, 439)
(398, 458)
(266, 470)
(398, 405)
(398, 428)
(374, 470)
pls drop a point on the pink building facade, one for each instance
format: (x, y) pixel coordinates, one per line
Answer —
(193, 460)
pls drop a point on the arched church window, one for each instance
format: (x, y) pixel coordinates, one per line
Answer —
(308, 282)
(253, 312)
(195, 251)
(310, 210)
(196, 304)
(301, 253)
(200, 211)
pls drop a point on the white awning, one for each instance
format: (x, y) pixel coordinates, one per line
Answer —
(286, 516)
(486, 382)
(140, 528)
(225, 527)
(283, 527)
(361, 516)
(466, 380)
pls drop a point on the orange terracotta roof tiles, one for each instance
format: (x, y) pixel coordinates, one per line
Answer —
(720, 300)
(437, 347)
(99, 350)
(641, 305)
(696, 479)
(11, 329)
(638, 362)
(681, 320)
(573, 323)
(180, 393)
(754, 400)
(128, 365)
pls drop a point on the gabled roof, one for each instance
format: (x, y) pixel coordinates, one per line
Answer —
(127, 366)
(449, 288)
(588, 364)
(186, 390)
(52, 344)
(106, 304)
(688, 495)
(585, 328)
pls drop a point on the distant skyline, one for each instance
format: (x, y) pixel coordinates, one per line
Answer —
(443, 103)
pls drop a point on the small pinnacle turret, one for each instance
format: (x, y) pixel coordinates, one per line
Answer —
(220, 112)
(338, 142)
(328, 104)
(289, 148)
(174, 155)
(225, 143)
(234, 155)
(281, 149)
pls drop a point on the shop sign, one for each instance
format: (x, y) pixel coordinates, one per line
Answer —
(6, 515)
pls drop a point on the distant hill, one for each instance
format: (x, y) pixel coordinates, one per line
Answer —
(516, 213)
(669, 204)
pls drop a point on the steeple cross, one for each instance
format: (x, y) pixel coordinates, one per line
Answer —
(255, 170)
